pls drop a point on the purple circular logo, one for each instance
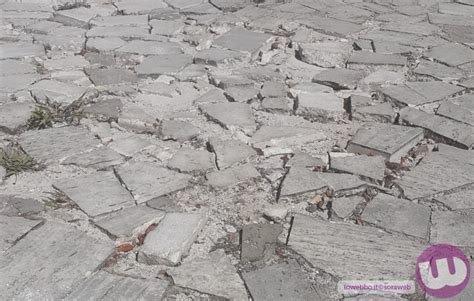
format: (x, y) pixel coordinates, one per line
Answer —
(443, 271)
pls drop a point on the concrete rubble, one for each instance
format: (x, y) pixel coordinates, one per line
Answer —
(231, 149)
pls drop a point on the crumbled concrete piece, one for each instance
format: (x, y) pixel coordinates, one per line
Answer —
(108, 44)
(440, 127)
(217, 276)
(178, 130)
(240, 39)
(325, 54)
(230, 152)
(163, 203)
(398, 215)
(190, 160)
(62, 252)
(212, 96)
(321, 107)
(438, 71)
(13, 229)
(389, 141)
(156, 65)
(368, 166)
(118, 20)
(166, 27)
(98, 158)
(439, 171)
(462, 199)
(231, 116)
(359, 59)
(257, 237)
(55, 91)
(459, 108)
(111, 76)
(111, 286)
(345, 206)
(451, 54)
(130, 145)
(179, 230)
(21, 50)
(96, 193)
(283, 281)
(129, 221)
(276, 213)
(232, 176)
(56, 144)
(151, 48)
(14, 116)
(322, 244)
(452, 228)
(146, 180)
(339, 78)
(217, 56)
(382, 112)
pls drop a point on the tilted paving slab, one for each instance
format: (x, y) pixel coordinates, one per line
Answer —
(458, 200)
(368, 166)
(50, 261)
(56, 91)
(96, 193)
(108, 44)
(382, 112)
(399, 215)
(126, 32)
(331, 26)
(460, 34)
(339, 78)
(107, 286)
(104, 110)
(403, 95)
(438, 71)
(17, 82)
(445, 19)
(56, 144)
(190, 160)
(325, 54)
(217, 56)
(128, 222)
(150, 48)
(329, 246)
(420, 28)
(256, 238)
(232, 176)
(439, 127)
(231, 116)
(132, 7)
(459, 108)
(130, 145)
(434, 90)
(80, 16)
(303, 159)
(213, 274)
(14, 116)
(13, 229)
(389, 141)
(345, 206)
(21, 50)
(211, 96)
(179, 231)
(322, 107)
(147, 180)
(230, 152)
(453, 228)
(12, 67)
(439, 171)
(111, 76)
(361, 59)
(240, 39)
(456, 9)
(229, 5)
(167, 28)
(178, 130)
(155, 65)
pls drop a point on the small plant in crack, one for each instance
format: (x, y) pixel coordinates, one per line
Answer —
(15, 160)
(45, 115)
(41, 118)
(58, 199)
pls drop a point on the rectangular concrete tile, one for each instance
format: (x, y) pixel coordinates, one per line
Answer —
(50, 261)
(179, 231)
(368, 166)
(372, 253)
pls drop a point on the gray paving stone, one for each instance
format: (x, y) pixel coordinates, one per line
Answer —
(151, 48)
(276, 105)
(212, 96)
(13, 229)
(178, 130)
(230, 152)
(164, 203)
(231, 116)
(387, 47)
(273, 89)
(460, 34)
(163, 65)
(217, 56)
(14, 116)
(111, 76)
(56, 144)
(438, 71)
(128, 222)
(21, 50)
(360, 59)
(468, 83)
(104, 44)
(135, 119)
(61, 252)
(320, 107)
(439, 171)
(192, 161)
(420, 28)
(66, 63)
(78, 17)
(125, 32)
(382, 112)
(242, 94)
(239, 39)
(229, 5)
(104, 110)
(98, 158)
(372, 167)
(344, 206)
(130, 145)
(15, 206)
(56, 92)
(452, 228)
(389, 141)
(282, 281)
(442, 128)
(17, 82)
(13, 67)
(451, 54)
(331, 26)
(179, 230)
(96, 193)
(380, 78)
(445, 19)
(256, 238)
(339, 78)
(456, 9)
(403, 95)
(232, 176)
(166, 27)
(147, 181)
(331, 245)
(112, 287)
(458, 200)
(139, 7)
(217, 276)
(325, 54)
(303, 159)
(398, 215)
(118, 20)
(459, 108)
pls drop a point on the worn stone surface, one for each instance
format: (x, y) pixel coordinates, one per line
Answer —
(256, 238)
(345, 206)
(241, 40)
(359, 58)
(147, 181)
(179, 230)
(14, 116)
(98, 158)
(330, 245)
(15, 206)
(62, 252)
(55, 91)
(320, 107)
(232, 176)
(461, 199)
(451, 54)
(111, 76)
(213, 274)
(459, 108)
(339, 78)
(372, 167)
(325, 54)
(231, 116)
(189, 160)
(13, 229)
(230, 152)
(452, 228)
(178, 130)
(163, 65)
